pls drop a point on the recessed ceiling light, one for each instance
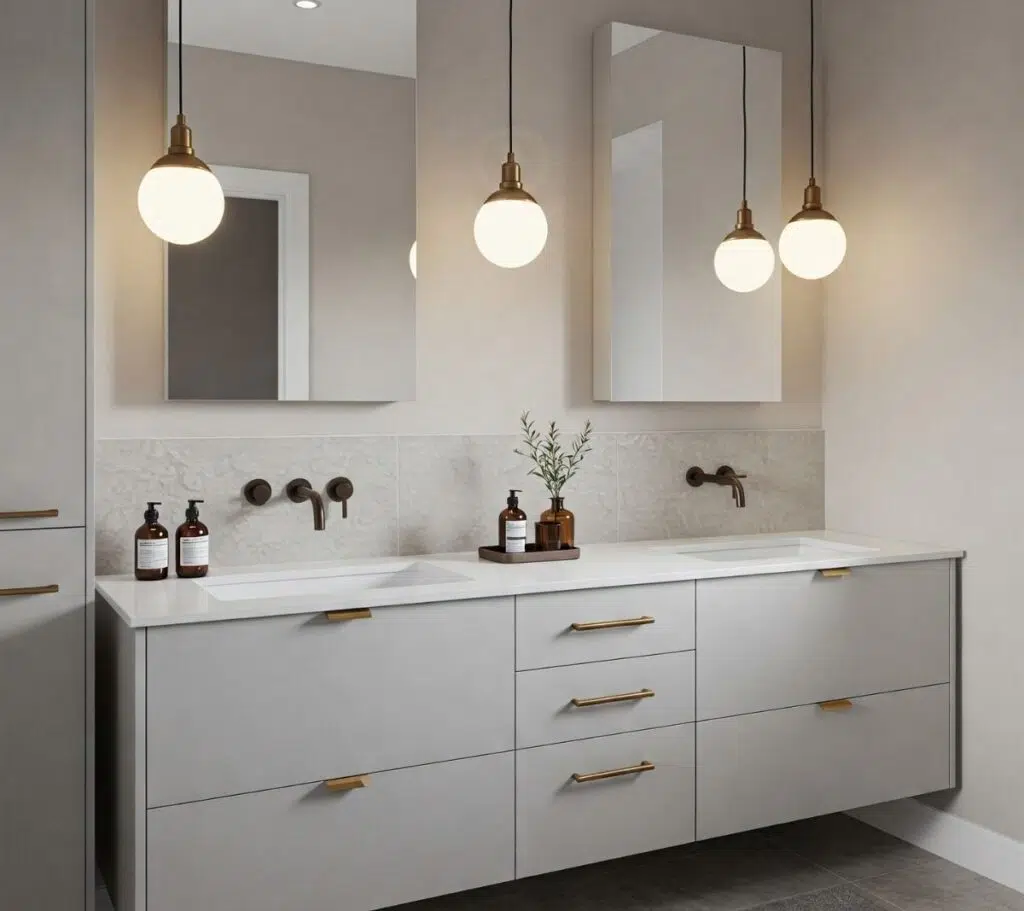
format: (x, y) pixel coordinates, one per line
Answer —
(307, 4)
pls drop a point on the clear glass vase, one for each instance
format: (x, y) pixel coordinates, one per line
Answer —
(558, 513)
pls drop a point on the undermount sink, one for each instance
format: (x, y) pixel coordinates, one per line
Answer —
(328, 582)
(758, 549)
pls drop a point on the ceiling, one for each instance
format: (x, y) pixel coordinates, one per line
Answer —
(374, 35)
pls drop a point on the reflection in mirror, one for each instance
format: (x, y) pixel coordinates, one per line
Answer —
(308, 116)
(668, 174)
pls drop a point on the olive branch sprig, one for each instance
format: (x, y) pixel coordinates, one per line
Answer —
(552, 463)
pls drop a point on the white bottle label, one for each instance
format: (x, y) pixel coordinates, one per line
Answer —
(515, 536)
(151, 554)
(195, 551)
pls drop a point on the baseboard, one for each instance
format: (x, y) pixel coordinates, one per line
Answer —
(965, 843)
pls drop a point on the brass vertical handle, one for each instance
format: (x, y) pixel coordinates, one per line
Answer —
(611, 700)
(611, 624)
(352, 783)
(836, 705)
(837, 573)
(31, 514)
(339, 616)
(31, 590)
(638, 769)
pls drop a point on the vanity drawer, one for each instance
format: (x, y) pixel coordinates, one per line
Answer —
(563, 823)
(614, 623)
(774, 767)
(768, 642)
(616, 696)
(249, 705)
(406, 835)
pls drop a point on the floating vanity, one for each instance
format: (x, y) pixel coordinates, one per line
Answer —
(360, 735)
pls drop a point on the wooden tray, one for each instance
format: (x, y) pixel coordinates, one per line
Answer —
(496, 555)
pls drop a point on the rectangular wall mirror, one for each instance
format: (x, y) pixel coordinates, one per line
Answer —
(308, 116)
(667, 184)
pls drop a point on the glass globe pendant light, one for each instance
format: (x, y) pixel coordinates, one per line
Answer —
(180, 199)
(813, 244)
(744, 261)
(511, 228)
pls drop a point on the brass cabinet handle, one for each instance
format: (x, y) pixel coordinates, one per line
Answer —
(836, 705)
(31, 590)
(338, 616)
(31, 514)
(613, 773)
(611, 624)
(352, 783)
(609, 700)
(838, 573)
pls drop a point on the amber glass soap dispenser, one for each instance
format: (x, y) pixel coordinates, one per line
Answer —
(151, 539)
(192, 545)
(512, 526)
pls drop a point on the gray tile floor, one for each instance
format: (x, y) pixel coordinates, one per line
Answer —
(829, 864)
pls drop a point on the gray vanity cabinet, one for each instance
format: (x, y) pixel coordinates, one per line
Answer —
(364, 758)
(44, 549)
(42, 720)
(43, 264)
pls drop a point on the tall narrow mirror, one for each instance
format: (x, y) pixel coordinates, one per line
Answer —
(668, 166)
(306, 111)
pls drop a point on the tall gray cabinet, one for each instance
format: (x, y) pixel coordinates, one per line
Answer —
(45, 549)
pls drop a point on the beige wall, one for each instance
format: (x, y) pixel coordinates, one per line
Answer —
(925, 328)
(354, 134)
(489, 342)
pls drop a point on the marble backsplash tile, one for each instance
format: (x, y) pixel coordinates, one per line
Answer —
(785, 483)
(130, 472)
(432, 494)
(451, 489)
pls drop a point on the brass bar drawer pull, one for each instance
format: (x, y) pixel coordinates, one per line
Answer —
(32, 590)
(836, 705)
(613, 773)
(352, 783)
(31, 514)
(838, 573)
(612, 624)
(339, 616)
(610, 700)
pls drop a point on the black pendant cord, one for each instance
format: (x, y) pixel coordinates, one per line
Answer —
(181, 68)
(510, 77)
(744, 126)
(813, 135)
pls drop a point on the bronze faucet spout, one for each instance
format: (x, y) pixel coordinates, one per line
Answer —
(301, 490)
(738, 493)
(724, 477)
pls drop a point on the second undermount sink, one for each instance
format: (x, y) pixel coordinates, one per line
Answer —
(740, 550)
(347, 580)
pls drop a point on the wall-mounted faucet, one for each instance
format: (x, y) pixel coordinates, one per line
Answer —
(724, 477)
(300, 490)
(258, 493)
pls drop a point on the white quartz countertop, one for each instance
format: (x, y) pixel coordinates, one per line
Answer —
(235, 593)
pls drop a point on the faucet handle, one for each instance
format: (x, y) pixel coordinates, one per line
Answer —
(340, 490)
(257, 492)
